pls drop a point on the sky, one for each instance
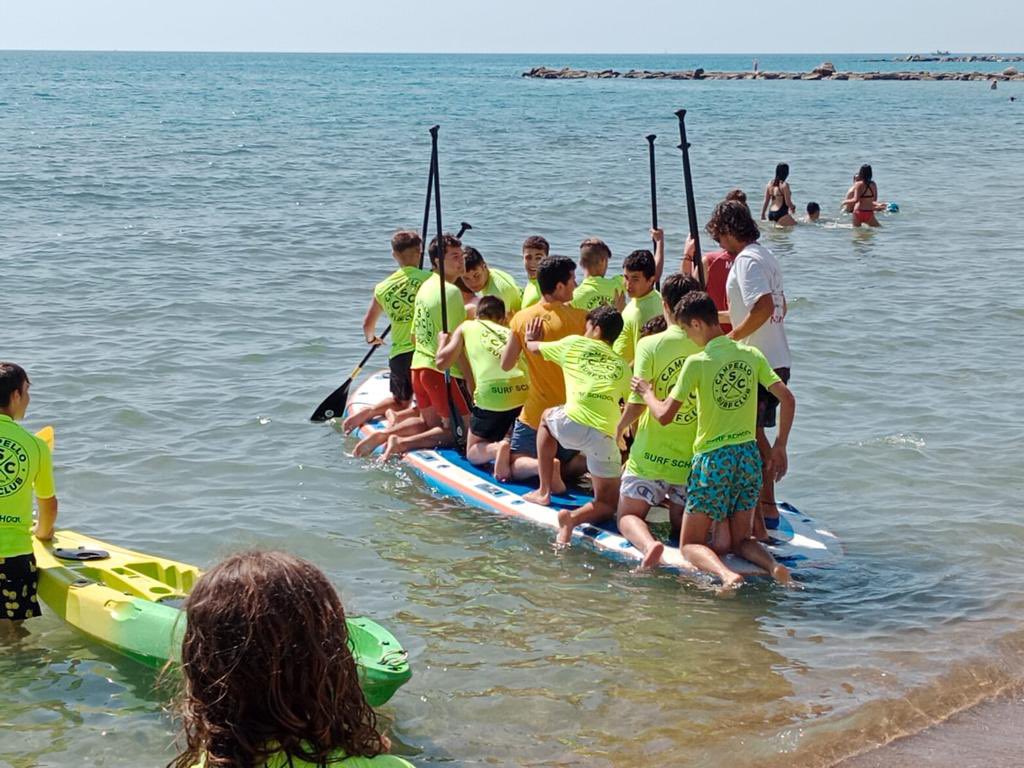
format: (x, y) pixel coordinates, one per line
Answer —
(519, 26)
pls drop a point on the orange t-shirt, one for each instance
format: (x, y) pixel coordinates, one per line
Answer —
(547, 387)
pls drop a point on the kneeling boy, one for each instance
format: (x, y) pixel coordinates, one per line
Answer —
(659, 460)
(499, 394)
(596, 379)
(725, 476)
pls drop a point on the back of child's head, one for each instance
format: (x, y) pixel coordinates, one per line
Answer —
(733, 218)
(677, 285)
(813, 209)
(491, 308)
(781, 173)
(594, 251)
(405, 239)
(608, 319)
(536, 243)
(474, 259)
(267, 667)
(554, 270)
(640, 261)
(696, 305)
(736, 194)
(12, 379)
(450, 241)
(654, 325)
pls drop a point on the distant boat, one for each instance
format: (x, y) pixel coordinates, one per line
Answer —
(941, 53)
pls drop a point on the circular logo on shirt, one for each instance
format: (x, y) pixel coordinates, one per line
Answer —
(733, 384)
(13, 467)
(600, 366)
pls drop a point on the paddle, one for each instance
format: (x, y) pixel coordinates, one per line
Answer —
(454, 417)
(654, 195)
(691, 207)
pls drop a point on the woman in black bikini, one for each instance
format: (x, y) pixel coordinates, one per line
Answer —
(777, 195)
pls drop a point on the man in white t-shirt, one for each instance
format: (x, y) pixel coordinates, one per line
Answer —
(757, 310)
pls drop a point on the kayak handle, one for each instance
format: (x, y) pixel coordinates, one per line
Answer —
(80, 554)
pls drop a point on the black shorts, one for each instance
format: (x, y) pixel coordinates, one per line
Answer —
(19, 580)
(401, 377)
(767, 403)
(492, 426)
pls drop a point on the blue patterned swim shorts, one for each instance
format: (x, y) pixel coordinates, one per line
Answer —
(724, 481)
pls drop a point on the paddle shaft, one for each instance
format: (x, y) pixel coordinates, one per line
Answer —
(691, 207)
(654, 195)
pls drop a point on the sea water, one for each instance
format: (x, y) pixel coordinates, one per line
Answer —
(188, 243)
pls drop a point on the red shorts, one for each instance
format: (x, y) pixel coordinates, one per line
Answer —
(863, 217)
(428, 386)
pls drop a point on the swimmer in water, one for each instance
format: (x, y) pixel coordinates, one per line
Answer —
(813, 212)
(862, 198)
(778, 203)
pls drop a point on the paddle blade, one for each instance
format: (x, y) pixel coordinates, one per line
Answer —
(46, 433)
(333, 405)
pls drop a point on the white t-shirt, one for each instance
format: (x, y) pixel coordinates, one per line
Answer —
(756, 272)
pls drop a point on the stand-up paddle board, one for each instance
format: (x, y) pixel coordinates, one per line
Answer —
(797, 541)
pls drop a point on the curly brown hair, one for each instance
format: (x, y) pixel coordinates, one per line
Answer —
(267, 668)
(732, 217)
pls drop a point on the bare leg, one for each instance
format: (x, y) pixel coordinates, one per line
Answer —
(721, 538)
(360, 417)
(630, 517)
(11, 630)
(749, 549)
(547, 447)
(411, 426)
(502, 461)
(397, 414)
(433, 437)
(479, 451)
(766, 502)
(601, 508)
(693, 548)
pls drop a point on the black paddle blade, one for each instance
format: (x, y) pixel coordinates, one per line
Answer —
(333, 405)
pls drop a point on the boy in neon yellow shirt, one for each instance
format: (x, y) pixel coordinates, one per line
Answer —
(597, 289)
(25, 469)
(499, 394)
(535, 249)
(659, 459)
(596, 379)
(725, 476)
(394, 297)
(485, 280)
(642, 270)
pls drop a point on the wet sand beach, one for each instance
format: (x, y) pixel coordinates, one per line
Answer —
(989, 734)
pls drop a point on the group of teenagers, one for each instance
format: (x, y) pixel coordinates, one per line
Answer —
(659, 389)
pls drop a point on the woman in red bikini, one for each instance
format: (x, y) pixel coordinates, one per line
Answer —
(861, 198)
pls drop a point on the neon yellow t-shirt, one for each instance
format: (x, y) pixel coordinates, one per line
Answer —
(426, 321)
(531, 293)
(725, 376)
(396, 295)
(496, 390)
(663, 452)
(596, 379)
(503, 285)
(25, 467)
(636, 313)
(598, 291)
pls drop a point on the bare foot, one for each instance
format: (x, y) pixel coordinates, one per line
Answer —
(781, 574)
(653, 557)
(565, 527)
(503, 462)
(369, 444)
(544, 499)
(732, 581)
(392, 449)
(355, 420)
(557, 483)
(390, 416)
(759, 531)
